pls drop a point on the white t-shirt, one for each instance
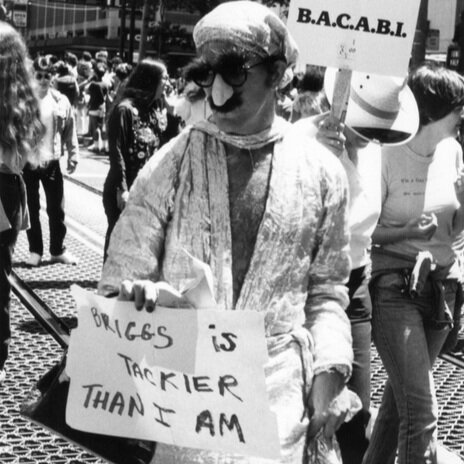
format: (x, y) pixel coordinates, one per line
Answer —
(414, 184)
(365, 200)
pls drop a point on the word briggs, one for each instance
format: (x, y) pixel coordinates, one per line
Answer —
(131, 330)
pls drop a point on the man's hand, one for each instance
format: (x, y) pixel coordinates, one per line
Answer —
(121, 198)
(143, 292)
(328, 402)
(331, 136)
(146, 294)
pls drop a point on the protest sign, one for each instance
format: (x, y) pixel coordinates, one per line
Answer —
(177, 376)
(361, 35)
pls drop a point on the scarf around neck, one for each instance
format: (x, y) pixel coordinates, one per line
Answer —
(271, 134)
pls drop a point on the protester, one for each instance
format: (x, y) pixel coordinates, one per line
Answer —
(120, 74)
(311, 98)
(415, 277)
(388, 114)
(71, 60)
(97, 91)
(60, 132)
(84, 76)
(66, 83)
(135, 128)
(284, 101)
(458, 38)
(192, 106)
(20, 131)
(276, 240)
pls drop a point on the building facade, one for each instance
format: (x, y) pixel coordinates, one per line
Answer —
(57, 26)
(443, 15)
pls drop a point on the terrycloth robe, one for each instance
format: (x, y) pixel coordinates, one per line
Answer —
(296, 273)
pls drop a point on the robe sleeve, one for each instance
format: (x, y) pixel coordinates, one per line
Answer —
(327, 297)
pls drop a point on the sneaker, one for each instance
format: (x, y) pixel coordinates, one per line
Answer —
(94, 148)
(2, 375)
(34, 259)
(64, 258)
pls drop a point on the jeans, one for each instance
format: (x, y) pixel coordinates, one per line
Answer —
(352, 435)
(408, 346)
(11, 193)
(52, 182)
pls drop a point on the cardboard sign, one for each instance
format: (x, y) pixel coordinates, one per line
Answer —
(361, 35)
(178, 376)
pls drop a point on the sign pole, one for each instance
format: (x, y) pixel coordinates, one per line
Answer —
(341, 97)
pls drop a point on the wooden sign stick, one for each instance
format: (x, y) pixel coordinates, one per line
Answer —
(341, 97)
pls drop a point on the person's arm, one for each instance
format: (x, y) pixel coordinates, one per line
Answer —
(327, 300)
(120, 133)
(421, 228)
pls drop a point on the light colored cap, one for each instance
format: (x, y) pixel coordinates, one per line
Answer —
(248, 25)
(381, 108)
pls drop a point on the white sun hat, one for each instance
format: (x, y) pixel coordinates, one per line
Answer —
(381, 109)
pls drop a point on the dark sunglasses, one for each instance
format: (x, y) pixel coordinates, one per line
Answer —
(42, 75)
(235, 75)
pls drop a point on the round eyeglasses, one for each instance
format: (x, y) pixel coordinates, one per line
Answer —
(42, 75)
(236, 75)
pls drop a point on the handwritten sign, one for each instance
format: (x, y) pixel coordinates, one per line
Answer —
(177, 376)
(361, 35)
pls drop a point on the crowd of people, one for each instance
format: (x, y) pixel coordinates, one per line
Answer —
(341, 232)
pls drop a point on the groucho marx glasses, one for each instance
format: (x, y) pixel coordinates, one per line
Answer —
(235, 75)
(42, 75)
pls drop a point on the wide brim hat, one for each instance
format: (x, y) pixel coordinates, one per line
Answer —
(381, 109)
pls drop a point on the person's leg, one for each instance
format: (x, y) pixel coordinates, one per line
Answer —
(407, 351)
(112, 214)
(54, 192)
(100, 134)
(352, 435)
(34, 233)
(6, 239)
(10, 196)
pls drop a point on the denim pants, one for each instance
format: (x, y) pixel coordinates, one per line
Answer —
(52, 181)
(11, 195)
(408, 346)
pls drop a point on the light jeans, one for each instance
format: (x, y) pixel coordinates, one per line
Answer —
(408, 416)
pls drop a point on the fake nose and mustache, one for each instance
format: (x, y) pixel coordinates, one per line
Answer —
(221, 91)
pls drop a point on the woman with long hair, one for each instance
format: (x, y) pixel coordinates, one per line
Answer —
(20, 132)
(136, 125)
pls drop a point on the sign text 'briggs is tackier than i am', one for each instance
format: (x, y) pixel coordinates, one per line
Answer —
(185, 377)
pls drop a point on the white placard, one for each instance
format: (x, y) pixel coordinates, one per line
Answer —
(20, 18)
(178, 376)
(361, 35)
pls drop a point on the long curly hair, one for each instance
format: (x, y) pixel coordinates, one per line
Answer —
(20, 126)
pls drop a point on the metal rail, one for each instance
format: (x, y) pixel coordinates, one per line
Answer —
(41, 311)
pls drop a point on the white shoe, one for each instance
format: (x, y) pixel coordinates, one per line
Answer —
(93, 148)
(64, 258)
(34, 259)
